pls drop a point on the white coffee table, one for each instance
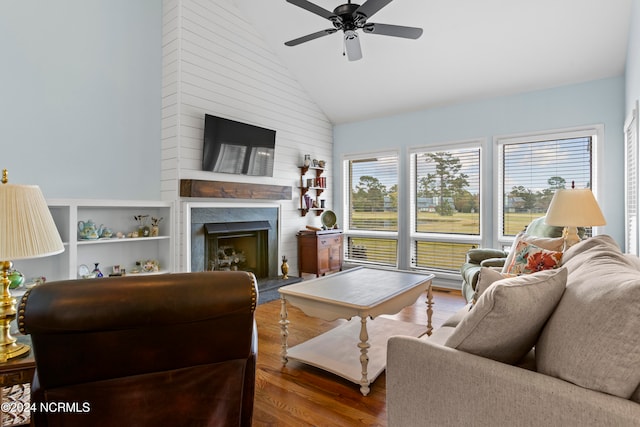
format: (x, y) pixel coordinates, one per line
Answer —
(355, 350)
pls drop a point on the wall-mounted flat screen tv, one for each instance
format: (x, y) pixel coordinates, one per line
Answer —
(238, 148)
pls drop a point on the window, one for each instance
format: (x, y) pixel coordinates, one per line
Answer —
(632, 241)
(446, 200)
(371, 209)
(532, 168)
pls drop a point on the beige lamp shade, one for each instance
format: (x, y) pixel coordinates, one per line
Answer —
(27, 229)
(574, 208)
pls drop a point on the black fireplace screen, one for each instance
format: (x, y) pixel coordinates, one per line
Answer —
(243, 246)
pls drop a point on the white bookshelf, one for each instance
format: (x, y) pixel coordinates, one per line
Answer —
(118, 215)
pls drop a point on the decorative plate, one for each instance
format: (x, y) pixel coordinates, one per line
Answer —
(328, 219)
(83, 270)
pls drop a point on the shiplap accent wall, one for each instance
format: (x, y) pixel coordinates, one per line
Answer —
(214, 62)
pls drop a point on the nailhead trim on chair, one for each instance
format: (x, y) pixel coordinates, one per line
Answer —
(21, 308)
(254, 294)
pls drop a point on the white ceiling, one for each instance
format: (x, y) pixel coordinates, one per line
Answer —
(470, 49)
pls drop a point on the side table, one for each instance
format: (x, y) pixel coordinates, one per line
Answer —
(15, 387)
(320, 252)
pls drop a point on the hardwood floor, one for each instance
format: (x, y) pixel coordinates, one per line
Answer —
(301, 395)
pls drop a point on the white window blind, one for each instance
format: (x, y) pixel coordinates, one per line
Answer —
(631, 184)
(533, 171)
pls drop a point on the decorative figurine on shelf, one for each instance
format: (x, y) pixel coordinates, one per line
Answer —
(143, 228)
(96, 271)
(87, 230)
(16, 279)
(107, 233)
(284, 267)
(155, 229)
(150, 266)
(307, 160)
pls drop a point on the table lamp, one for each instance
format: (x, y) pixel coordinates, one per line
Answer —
(571, 209)
(27, 231)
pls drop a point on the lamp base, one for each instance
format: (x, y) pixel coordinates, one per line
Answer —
(9, 348)
(571, 237)
(12, 351)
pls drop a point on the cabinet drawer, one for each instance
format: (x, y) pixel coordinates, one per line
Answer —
(324, 242)
(15, 377)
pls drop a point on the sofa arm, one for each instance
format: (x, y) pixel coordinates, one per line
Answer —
(493, 262)
(476, 256)
(429, 384)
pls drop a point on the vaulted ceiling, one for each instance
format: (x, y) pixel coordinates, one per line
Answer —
(470, 49)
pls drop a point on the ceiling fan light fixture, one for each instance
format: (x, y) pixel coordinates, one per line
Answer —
(349, 17)
(352, 45)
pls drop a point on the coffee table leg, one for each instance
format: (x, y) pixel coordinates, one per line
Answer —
(429, 308)
(284, 331)
(364, 357)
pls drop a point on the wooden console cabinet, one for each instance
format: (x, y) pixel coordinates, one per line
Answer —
(320, 252)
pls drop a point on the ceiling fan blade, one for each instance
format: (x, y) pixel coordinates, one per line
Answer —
(370, 7)
(310, 37)
(352, 45)
(393, 30)
(306, 5)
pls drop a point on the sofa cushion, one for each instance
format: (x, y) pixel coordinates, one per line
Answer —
(439, 336)
(549, 243)
(529, 258)
(538, 227)
(592, 339)
(636, 395)
(456, 317)
(486, 278)
(505, 321)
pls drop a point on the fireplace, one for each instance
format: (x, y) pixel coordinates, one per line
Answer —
(233, 246)
(235, 237)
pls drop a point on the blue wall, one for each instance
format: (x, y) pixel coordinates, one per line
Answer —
(632, 73)
(591, 103)
(81, 96)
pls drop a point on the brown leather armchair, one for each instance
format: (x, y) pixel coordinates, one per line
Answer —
(175, 349)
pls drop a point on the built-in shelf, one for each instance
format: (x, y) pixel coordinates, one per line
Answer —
(118, 215)
(118, 240)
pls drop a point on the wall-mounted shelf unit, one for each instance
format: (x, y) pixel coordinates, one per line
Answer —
(118, 215)
(313, 184)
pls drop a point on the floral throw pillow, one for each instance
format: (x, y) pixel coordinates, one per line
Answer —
(529, 258)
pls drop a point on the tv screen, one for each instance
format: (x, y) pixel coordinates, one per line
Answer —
(238, 148)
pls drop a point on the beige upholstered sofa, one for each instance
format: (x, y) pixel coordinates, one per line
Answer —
(559, 347)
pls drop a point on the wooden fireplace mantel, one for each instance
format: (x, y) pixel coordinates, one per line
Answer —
(233, 190)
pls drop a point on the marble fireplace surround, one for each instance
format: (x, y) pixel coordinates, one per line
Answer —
(199, 214)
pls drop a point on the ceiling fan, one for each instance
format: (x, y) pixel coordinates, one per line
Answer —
(350, 17)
